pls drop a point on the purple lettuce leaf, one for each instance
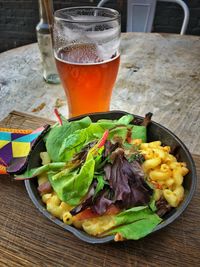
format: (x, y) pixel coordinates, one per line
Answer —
(127, 182)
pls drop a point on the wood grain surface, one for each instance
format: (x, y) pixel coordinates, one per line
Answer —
(27, 238)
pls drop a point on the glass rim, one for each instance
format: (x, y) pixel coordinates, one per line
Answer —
(115, 13)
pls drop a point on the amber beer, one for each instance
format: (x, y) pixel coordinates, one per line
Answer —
(88, 80)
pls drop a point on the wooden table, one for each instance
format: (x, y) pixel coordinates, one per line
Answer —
(158, 73)
(29, 239)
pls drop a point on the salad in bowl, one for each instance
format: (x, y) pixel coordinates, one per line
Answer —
(106, 177)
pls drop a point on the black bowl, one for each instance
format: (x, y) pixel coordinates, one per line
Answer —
(155, 132)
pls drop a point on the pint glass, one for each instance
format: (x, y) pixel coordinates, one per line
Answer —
(86, 48)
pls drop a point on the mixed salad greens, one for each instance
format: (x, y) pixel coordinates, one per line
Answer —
(96, 168)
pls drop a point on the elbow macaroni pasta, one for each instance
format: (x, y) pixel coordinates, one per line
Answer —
(164, 172)
(54, 205)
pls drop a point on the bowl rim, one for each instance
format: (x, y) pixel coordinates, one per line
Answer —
(95, 240)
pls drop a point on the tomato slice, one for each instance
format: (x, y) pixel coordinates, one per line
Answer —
(88, 213)
(112, 210)
(128, 137)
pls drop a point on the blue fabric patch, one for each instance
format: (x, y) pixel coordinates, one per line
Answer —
(28, 138)
(5, 136)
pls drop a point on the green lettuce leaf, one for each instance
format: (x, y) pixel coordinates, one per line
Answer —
(135, 223)
(58, 133)
(73, 143)
(70, 140)
(133, 214)
(152, 205)
(108, 124)
(100, 184)
(71, 187)
(138, 229)
(55, 166)
(119, 132)
(139, 132)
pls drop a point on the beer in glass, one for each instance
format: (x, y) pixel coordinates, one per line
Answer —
(86, 48)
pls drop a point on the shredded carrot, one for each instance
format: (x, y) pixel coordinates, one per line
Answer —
(103, 139)
(58, 115)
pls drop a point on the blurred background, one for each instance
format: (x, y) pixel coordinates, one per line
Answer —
(18, 18)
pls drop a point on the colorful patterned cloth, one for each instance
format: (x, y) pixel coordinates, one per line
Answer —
(15, 145)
